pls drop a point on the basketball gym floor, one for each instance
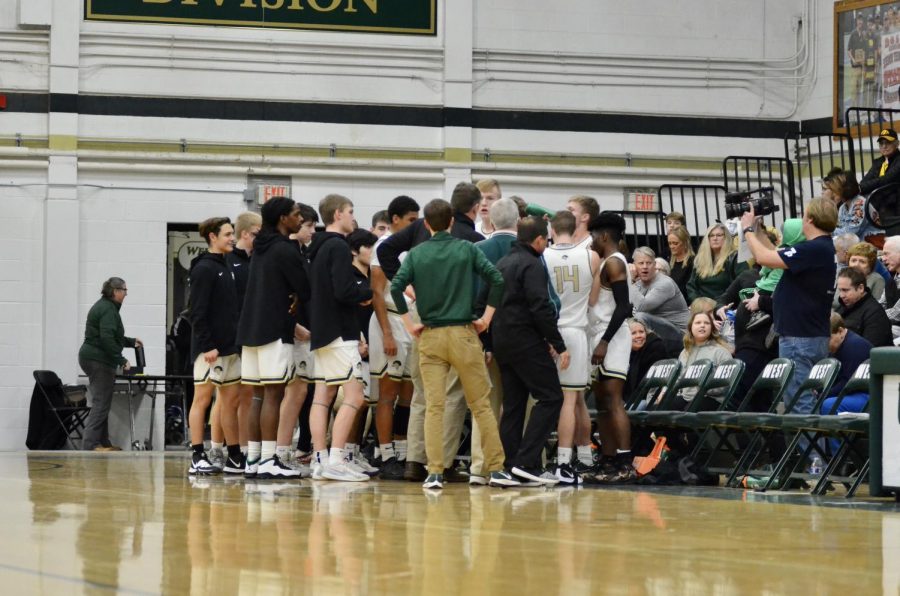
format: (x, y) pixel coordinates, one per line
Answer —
(75, 523)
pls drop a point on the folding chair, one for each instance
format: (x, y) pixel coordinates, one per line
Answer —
(69, 414)
(661, 376)
(694, 376)
(821, 377)
(723, 423)
(725, 377)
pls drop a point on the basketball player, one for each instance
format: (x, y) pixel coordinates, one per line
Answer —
(266, 328)
(612, 350)
(490, 194)
(213, 313)
(389, 353)
(572, 270)
(335, 338)
(585, 209)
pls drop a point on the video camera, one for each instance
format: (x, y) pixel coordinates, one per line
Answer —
(737, 203)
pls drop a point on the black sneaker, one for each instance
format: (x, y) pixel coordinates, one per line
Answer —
(503, 479)
(454, 475)
(434, 481)
(392, 470)
(535, 476)
(415, 472)
(566, 475)
(582, 468)
(201, 466)
(623, 474)
(235, 466)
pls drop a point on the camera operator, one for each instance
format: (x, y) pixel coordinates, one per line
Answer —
(886, 169)
(802, 299)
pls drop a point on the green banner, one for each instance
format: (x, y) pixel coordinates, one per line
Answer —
(411, 17)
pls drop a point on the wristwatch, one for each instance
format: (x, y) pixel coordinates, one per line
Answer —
(750, 229)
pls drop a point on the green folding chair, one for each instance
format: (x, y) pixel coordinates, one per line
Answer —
(661, 376)
(821, 377)
(722, 424)
(694, 376)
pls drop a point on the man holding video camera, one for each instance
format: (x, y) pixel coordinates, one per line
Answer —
(803, 296)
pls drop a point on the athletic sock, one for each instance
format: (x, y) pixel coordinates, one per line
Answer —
(563, 456)
(400, 449)
(214, 445)
(585, 455)
(283, 452)
(387, 451)
(268, 449)
(321, 457)
(244, 450)
(254, 448)
(335, 456)
(234, 452)
(350, 451)
(197, 449)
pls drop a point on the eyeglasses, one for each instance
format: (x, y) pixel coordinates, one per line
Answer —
(122, 290)
(717, 235)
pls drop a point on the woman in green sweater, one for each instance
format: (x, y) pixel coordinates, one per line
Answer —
(99, 357)
(715, 265)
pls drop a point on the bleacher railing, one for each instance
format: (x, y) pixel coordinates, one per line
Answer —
(702, 204)
(813, 155)
(863, 126)
(745, 173)
(646, 228)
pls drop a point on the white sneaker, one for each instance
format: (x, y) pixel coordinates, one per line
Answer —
(294, 463)
(275, 468)
(361, 465)
(251, 468)
(476, 480)
(217, 457)
(317, 470)
(344, 473)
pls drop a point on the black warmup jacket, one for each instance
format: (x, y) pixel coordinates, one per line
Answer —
(276, 272)
(336, 291)
(214, 306)
(868, 319)
(872, 180)
(239, 262)
(526, 319)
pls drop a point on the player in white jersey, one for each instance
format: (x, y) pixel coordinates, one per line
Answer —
(572, 271)
(612, 350)
(584, 209)
(389, 352)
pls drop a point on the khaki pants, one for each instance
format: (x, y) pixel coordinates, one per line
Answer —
(454, 414)
(441, 348)
(496, 399)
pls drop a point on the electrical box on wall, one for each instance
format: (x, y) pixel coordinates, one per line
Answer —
(34, 14)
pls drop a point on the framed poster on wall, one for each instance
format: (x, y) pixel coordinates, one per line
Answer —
(866, 62)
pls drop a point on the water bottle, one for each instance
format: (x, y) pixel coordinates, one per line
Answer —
(815, 466)
(727, 331)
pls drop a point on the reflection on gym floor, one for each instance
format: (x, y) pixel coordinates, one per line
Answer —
(134, 523)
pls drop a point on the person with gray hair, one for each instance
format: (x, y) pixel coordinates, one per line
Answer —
(99, 357)
(659, 302)
(842, 244)
(889, 300)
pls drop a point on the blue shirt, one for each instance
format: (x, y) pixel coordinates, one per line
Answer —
(803, 296)
(853, 352)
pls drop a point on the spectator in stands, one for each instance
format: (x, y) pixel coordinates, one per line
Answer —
(381, 223)
(707, 305)
(99, 356)
(886, 169)
(662, 267)
(850, 350)
(860, 311)
(646, 349)
(701, 341)
(864, 257)
(803, 296)
(891, 258)
(842, 245)
(675, 220)
(681, 260)
(844, 191)
(659, 302)
(715, 266)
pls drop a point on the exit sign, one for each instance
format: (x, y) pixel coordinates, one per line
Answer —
(641, 200)
(264, 192)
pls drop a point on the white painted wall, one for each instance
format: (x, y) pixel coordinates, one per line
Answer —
(105, 213)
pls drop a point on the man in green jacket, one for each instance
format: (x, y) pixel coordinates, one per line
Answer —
(442, 272)
(99, 356)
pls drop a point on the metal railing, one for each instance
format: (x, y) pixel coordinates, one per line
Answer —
(813, 155)
(744, 173)
(701, 204)
(645, 228)
(863, 126)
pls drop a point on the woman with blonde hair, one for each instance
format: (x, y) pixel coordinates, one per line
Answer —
(715, 265)
(681, 261)
(701, 341)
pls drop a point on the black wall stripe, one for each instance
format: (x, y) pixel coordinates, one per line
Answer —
(278, 111)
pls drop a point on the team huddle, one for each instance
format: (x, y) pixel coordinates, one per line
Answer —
(440, 315)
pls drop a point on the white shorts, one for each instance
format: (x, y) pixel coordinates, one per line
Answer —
(226, 370)
(270, 364)
(618, 354)
(339, 362)
(578, 375)
(303, 363)
(394, 367)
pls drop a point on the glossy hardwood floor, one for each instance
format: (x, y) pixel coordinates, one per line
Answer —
(135, 524)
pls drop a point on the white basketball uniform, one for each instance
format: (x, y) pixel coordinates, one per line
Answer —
(395, 367)
(570, 273)
(618, 353)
